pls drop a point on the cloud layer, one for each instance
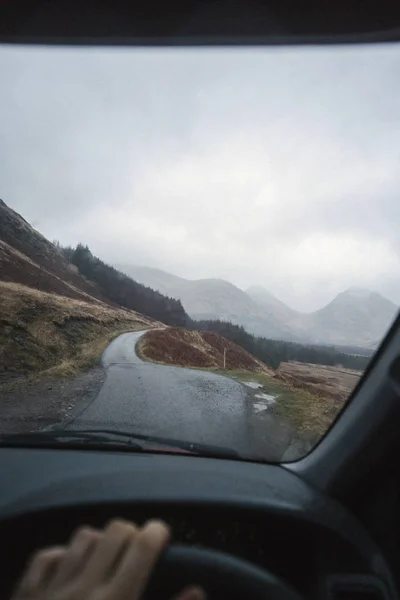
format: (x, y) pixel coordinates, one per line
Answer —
(277, 167)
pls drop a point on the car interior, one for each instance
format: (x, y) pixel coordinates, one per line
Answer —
(324, 526)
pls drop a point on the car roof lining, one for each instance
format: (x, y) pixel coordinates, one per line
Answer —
(195, 22)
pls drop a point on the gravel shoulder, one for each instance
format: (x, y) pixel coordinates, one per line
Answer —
(45, 402)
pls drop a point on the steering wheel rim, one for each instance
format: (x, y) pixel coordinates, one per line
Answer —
(220, 574)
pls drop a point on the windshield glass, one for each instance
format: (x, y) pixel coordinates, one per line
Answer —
(199, 248)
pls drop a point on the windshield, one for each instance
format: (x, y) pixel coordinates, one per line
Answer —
(199, 248)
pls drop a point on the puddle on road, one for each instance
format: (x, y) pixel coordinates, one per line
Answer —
(270, 399)
(267, 399)
(254, 385)
(264, 401)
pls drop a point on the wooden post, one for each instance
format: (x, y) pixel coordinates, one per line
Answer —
(224, 358)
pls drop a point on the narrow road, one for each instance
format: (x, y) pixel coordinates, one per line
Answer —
(171, 402)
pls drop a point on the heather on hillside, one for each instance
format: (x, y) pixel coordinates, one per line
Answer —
(274, 352)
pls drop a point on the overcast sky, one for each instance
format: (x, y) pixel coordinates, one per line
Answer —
(278, 167)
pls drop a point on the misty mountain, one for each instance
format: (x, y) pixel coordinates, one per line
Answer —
(159, 280)
(355, 317)
(271, 303)
(214, 299)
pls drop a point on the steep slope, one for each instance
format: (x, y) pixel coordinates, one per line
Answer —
(27, 257)
(40, 330)
(196, 349)
(53, 313)
(272, 304)
(216, 297)
(356, 316)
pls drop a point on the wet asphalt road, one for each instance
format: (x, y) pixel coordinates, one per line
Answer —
(169, 402)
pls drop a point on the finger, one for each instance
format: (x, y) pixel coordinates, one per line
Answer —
(105, 558)
(192, 593)
(40, 570)
(77, 554)
(139, 559)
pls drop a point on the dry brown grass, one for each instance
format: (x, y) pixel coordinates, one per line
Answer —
(16, 267)
(332, 383)
(41, 331)
(196, 349)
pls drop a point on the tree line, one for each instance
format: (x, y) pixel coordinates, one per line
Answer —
(273, 352)
(122, 290)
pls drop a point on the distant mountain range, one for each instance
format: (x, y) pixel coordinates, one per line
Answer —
(356, 317)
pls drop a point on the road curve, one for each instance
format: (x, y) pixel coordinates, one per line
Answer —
(170, 402)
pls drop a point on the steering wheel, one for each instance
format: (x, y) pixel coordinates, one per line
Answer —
(223, 577)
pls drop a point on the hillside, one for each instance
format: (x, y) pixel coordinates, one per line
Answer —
(216, 298)
(59, 307)
(359, 315)
(28, 258)
(271, 304)
(274, 352)
(159, 280)
(39, 330)
(196, 349)
(354, 318)
(124, 291)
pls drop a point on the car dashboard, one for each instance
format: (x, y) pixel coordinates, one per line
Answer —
(261, 513)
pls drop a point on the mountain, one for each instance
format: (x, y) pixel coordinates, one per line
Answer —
(159, 280)
(356, 317)
(215, 299)
(219, 299)
(267, 300)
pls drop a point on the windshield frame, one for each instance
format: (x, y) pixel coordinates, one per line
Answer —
(353, 442)
(324, 461)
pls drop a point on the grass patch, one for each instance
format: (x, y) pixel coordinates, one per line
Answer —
(330, 382)
(88, 355)
(55, 335)
(310, 414)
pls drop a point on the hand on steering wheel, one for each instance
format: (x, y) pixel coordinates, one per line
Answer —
(112, 564)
